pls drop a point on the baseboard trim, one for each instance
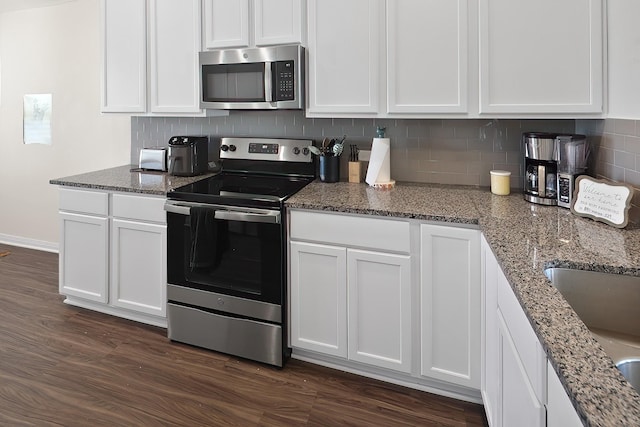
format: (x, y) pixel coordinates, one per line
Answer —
(24, 242)
(405, 380)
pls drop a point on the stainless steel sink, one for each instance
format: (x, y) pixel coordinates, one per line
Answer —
(609, 305)
(631, 371)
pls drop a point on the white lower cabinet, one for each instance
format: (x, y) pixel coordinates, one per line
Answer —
(361, 300)
(319, 298)
(560, 411)
(517, 400)
(84, 240)
(351, 303)
(346, 301)
(519, 385)
(450, 304)
(514, 363)
(138, 266)
(379, 303)
(113, 254)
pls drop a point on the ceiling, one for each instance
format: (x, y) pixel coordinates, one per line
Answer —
(10, 5)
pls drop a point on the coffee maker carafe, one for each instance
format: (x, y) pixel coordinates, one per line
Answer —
(541, 168)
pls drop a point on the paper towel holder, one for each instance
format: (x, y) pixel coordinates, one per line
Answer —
(378, 172)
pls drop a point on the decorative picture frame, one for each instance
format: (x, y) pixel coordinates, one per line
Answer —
(602, 201)
(37, 119)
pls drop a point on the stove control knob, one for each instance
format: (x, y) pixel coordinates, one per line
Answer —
(296, 150)
(305, 151)
(232, 148)
(224, 147)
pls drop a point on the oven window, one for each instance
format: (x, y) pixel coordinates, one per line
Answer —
(238, 258)
(233, 83)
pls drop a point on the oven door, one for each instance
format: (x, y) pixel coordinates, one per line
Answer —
(226, 250)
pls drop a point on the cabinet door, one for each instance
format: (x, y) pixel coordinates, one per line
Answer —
(541, 56)
(427, 56)
(174, 45)
(226, 23)
(560, 410)
(319, 298)
(344, 55)
(490, 385)
(279, 21)
(379, 287)
(124, 57)
(623, 36)
(518, 404)
(139, 267)
(84, 248)
(450, 304)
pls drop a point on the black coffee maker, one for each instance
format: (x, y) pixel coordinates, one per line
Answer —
(541, 168)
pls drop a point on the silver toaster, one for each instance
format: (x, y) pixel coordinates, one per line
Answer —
(153, 159)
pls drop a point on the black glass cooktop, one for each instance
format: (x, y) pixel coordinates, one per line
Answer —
(241, 189)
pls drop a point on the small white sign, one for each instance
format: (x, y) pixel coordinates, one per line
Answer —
(37, 119)
(601, 201)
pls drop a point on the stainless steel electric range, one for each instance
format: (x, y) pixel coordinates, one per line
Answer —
(226, 250)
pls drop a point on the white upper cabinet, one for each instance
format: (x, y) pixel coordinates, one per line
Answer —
(174, 44)
(245, 23)
(344, 56)
(623, 59)
(427, 50)
(170, 30)
(279, 22)
(455, 58)
(541, 57)
(124, 56)
(226, 23)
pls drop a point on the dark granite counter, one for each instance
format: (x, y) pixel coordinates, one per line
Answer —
(128, 179)
(526, 239)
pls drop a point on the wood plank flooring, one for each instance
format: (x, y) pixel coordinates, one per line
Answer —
(65, 366)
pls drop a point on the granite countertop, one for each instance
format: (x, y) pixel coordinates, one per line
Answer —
(128, 178)
(526, 239)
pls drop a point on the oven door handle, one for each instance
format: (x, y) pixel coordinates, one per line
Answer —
(267, 217)
(262, 216)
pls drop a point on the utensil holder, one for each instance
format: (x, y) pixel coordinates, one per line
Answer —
(329, 168)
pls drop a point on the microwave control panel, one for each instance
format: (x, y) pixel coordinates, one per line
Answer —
(284, 81)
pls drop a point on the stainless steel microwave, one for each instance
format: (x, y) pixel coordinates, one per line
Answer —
(265, 78)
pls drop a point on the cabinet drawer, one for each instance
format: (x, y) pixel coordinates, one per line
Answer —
(143, 208)
(347, 230)
(90, 202)
(526, 342)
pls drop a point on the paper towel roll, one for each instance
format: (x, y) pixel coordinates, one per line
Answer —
(379, 170)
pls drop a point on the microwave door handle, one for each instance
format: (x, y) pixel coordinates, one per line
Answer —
(268, 82)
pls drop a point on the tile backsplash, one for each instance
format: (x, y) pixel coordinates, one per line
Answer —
(616, 150)
(432, 151)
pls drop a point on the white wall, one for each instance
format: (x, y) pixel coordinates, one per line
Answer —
(52, 50)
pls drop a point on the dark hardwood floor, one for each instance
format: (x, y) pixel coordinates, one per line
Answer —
(65, 366)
